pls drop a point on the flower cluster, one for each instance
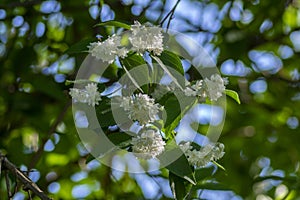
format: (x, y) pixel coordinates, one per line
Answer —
(140, 107)
(202, 157)
(89, 94)
(196, 89)
(146, 38)
(142, 38)
(148, 144)
(108, 49)
(212, 88)
(215, 86)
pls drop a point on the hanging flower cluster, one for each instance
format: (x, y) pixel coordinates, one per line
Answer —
(214, 87)
(143, 38)
(141, 108)
(148, 144)
(146, 38)
(89, 95)
(108, 49)
(200, 158)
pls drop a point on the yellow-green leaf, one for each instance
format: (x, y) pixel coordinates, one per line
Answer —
(234, 95)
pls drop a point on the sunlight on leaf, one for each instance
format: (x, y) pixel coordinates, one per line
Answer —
(234, 95)
(114, 23)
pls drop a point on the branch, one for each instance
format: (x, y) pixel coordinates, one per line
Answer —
(36, 157)
(20, 4)
(169, 15)
(28, 184)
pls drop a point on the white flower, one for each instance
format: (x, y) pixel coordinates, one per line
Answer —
(148, 144)
(218, 151)
(186, 146)
(215, 87)
(202, 157)
(146, 38)
(108, 49)
(196, 89)
(89, 95)
(140, 107)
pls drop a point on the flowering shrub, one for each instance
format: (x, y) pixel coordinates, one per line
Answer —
(151, 105)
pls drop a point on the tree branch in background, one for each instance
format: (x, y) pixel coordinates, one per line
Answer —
(28, 184)
(20, 4)
(36, 157)
(169, 15)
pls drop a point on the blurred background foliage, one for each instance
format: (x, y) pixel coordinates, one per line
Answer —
(256, 43)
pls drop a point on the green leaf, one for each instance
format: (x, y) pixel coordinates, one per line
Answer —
(203, 173)
(138, 75)
(172, 108)
(172, 60)
(80, 47)
(179, 167)
(182, 168)
(175, 111)
(118, 138)
(133, 60)
(234, 95)
(114, 23)
(210, 186)
(218, 165)
(104, 113)
(168, 72)
(177, 186)
(111, 72)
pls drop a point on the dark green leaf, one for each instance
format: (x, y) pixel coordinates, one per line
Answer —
(104, 113)
(172, 60)
(80, 47)
(172, 108)
(180, 166)
(114, 23)
(137, 71)
(177, 186)
(203, 173)
(111, 71)
(118, 138)
(175, 111)
(133, 60)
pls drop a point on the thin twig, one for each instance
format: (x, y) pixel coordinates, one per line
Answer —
(29, 195)
(29, 184)
(36, 157)
(169, 15)
(1, 159)
(200, 193)
(9, 195)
